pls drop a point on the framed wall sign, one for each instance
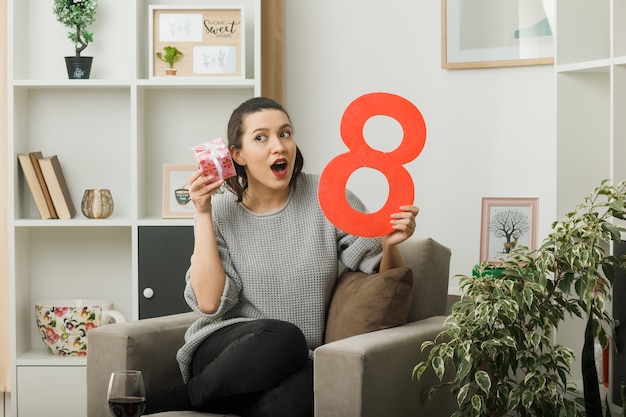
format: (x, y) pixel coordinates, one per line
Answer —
(496, 33)
(176, 201)
(507, 223)
(212, 40)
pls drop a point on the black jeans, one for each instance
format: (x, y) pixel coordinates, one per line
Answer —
(258, 368)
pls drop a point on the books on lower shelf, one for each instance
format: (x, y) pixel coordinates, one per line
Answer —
(47, 185)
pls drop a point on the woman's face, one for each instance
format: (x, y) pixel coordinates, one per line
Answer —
(268, 150)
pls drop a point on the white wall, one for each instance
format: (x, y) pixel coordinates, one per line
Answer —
(490, 132)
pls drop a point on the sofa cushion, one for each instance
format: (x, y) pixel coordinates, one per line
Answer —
(363, 303)
(430, 263)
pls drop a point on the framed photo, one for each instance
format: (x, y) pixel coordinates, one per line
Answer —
(496, 33)
(507, 223)
(212, 40)
(176, 201)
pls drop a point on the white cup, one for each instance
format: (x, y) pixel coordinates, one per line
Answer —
(110, 316)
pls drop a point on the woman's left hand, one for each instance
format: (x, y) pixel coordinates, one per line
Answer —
(403, 225)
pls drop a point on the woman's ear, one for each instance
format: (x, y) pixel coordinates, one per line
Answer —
(235, 153)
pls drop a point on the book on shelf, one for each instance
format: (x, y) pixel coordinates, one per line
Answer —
(35, 157)
(57, 186)
(33, 184)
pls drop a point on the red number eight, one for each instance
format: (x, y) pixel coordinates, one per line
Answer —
(335, 176)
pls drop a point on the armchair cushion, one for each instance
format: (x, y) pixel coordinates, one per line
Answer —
(362, 303)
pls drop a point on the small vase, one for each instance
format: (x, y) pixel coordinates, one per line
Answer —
(97, 204)
(170, 71)
(78, 67)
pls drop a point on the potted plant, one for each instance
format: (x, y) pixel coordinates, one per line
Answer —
(172, 54)
(77, 15)
(499, 336)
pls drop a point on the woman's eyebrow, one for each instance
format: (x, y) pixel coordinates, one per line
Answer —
(265, 129)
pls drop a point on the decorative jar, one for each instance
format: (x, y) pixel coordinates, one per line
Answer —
(97, 204)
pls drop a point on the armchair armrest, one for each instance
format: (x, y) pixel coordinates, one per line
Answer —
(149, 345)
(370, 375)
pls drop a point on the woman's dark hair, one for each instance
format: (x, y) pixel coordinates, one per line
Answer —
(239, 184)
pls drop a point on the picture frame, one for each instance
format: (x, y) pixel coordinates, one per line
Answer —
(505, 224)
(212, 40)
(496, 33)
(176, 201)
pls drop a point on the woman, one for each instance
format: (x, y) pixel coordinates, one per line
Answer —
(263, 268)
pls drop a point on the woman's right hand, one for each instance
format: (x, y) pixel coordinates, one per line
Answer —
(201, 188)
(207, 277)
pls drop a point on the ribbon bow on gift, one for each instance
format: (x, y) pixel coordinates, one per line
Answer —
(215, 159)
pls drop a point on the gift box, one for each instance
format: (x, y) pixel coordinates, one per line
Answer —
(215, 159)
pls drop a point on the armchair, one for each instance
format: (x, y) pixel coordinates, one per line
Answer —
(368, 375)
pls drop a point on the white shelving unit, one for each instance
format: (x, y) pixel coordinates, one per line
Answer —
(591, 103)
(116, 131)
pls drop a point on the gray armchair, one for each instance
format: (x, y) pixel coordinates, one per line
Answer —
(368, 375)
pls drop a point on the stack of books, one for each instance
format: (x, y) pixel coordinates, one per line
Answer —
(47, 185)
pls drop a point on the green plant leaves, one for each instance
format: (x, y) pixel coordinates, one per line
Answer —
(499, 336)
(464, 370)
(438, 366)
(477, 402)
(527, 399)
(483, 381)
(77, 16)
(462, 394)
(513, 398)
(419, 370)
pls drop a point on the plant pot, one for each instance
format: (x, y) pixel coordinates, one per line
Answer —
(170, 71)
(78, 67)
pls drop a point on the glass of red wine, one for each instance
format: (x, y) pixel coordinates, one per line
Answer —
(126, 394)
